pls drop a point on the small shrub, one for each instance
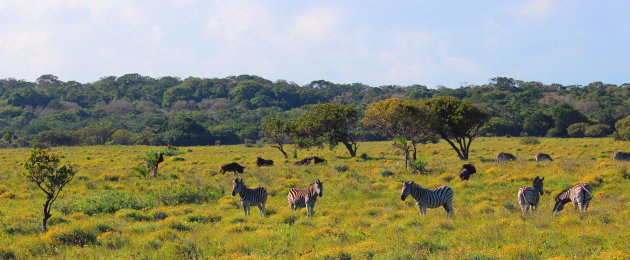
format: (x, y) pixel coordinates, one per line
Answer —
(179, 194)
(202, 218)
(624, 173)
(178, 225)
(108, 202)
(75, 236)
(113, 240)
(159, 215)
(387, 173)
(364, 156)
(341, 167)
(418, 166)
(6, 253)
(179, 159)
(529, 140)
(135, 215)
(290, 219)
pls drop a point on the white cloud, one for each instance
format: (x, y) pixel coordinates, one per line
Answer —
(316, 25)
(534, 11)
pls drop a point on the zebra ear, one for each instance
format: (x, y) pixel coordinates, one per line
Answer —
(543, 178)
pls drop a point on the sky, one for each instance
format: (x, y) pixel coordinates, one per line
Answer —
(431, 43)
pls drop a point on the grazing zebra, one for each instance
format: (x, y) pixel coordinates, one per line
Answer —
(580, 194)
(529, 197)
(542, 157)
(467, 170)
(299, 198)
(502, 157)
(425, 198)
(250, 197)
(621, 156)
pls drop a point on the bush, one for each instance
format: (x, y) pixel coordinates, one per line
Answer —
(109, 202)
(202, 218)
(387, 173)
(341, 167)
(75, 236)
(178, 195)
(135, 215)
(6, 253)
(529, 140)
(113, 240)
(364, 156)
(418, 165)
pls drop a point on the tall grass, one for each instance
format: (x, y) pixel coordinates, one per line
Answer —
(109, 211)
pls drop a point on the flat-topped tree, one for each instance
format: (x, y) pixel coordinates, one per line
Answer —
(330, 123)
(411, 119)
(458, 122)
(43, 169)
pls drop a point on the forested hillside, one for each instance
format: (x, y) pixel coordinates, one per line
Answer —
(136, 109)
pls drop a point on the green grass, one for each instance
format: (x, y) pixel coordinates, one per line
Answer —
(111, 211)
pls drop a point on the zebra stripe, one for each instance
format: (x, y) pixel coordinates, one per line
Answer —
(300, 198)
(580, 194)
(529, 197)
(250, 197)
(425, 198)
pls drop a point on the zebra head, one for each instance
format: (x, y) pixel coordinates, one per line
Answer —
(558, 207)
(236, 186)
(405, 190)
(319, 187)
(538, 184)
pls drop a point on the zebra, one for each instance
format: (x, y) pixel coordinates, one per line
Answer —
(250, 197)
(580, 194)
(529, 197)
(542, 157)
(425, 198)
(299, 198)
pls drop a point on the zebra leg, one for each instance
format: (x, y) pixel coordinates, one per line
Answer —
(534, 208)
(575, 205)
(244, 207)
(261, 207)
(448, 207)
(586, 205)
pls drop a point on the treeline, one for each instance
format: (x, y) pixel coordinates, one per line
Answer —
(136, 109)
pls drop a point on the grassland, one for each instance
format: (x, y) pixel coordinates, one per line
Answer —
(110, 211)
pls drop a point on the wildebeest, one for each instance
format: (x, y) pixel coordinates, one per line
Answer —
(232, 167)
(542, 157)
(317, 160)
(502, 157)
(466, 171)
(305, 161)
(621, 156)
(263, 162)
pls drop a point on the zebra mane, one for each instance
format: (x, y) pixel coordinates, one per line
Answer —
(562, 193)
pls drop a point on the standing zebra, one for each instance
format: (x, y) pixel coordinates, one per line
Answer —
(250, 197)
(580, 194)
(528, 197)
(425, 198)
(299, 198)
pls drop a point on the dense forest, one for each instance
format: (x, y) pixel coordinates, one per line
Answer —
(136, 109)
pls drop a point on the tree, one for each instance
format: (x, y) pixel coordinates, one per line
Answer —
(330, 123)
(459, 122)
(564, 115)
(277, 132)
(43, 169)
(123, 137)
(152, 159)
(577, 129)
(622, 129)
(537, 124)
(411, 119)
(185, 132)
(401, 144)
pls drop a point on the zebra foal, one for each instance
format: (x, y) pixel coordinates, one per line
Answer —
(250, 197)
(580, 194)
(529, 197)
(425, 198)
(300, 198)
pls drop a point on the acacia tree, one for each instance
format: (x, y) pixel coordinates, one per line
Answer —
(458, 122)
(276, 130)
(330, 123)
(43, 169)
(411, 119)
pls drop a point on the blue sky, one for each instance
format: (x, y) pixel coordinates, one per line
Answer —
(431, 43)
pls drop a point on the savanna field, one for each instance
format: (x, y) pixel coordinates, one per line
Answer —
(110, 211)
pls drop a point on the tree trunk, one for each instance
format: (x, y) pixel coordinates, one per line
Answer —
(459, 153)
(352, 148)
(406, 152)
(413, 143)
(46, 214)
(281, 149)
(154, 171)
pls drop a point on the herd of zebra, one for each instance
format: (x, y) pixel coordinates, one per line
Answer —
(528, 197)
